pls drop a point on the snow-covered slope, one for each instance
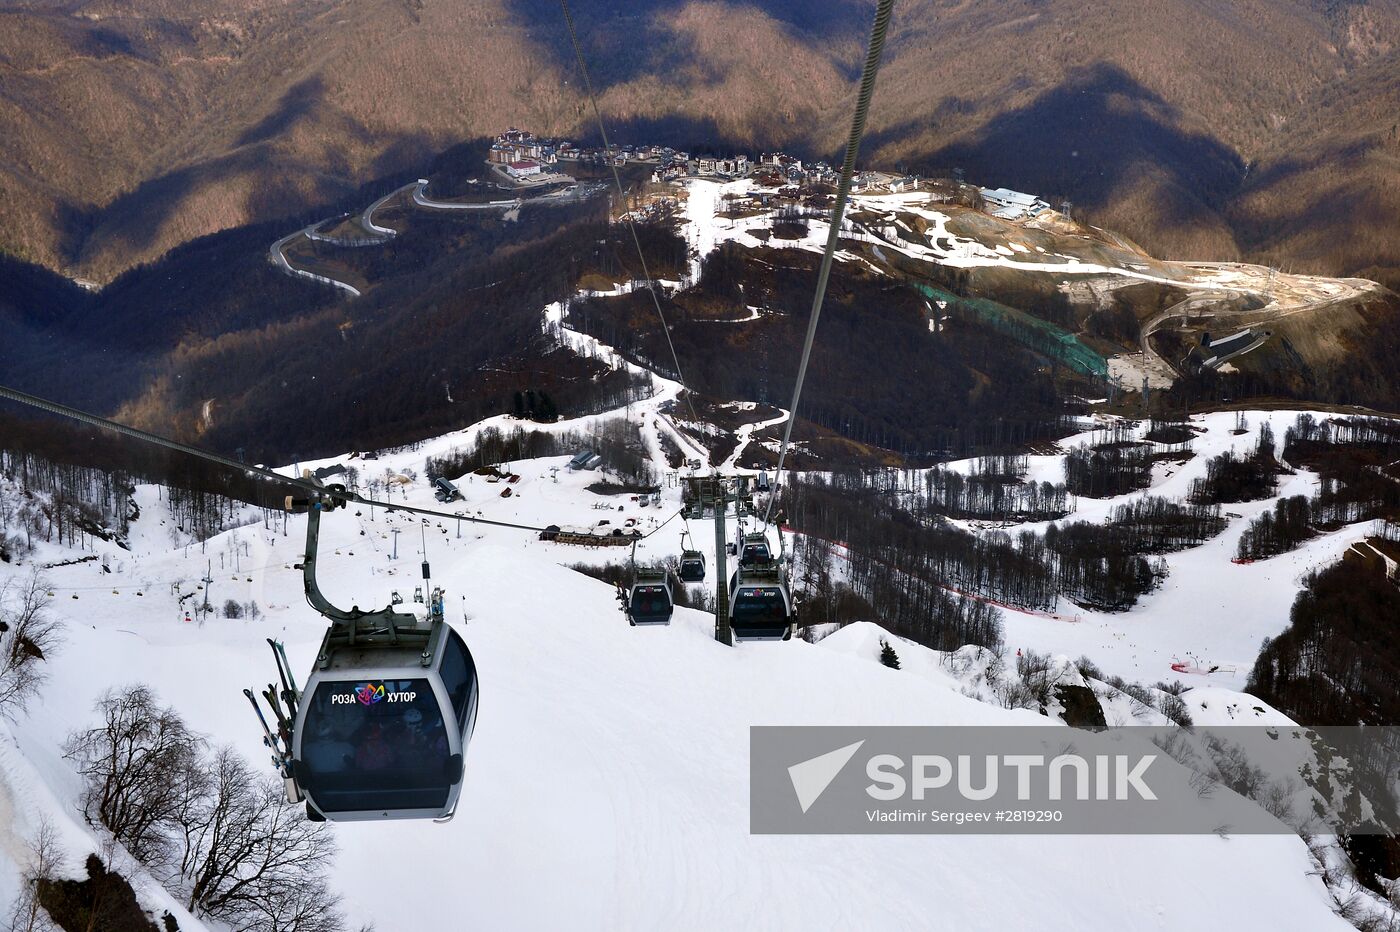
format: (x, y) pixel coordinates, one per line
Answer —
(884, 221)
(1208, 607)
(607, 781)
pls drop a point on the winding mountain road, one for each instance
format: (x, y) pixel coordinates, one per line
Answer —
(420, 197)
(377, 235)
(367, 217)
(279, 259)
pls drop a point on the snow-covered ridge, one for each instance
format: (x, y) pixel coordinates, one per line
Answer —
(883, 222)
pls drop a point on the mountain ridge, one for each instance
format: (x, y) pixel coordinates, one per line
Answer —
(132, 129)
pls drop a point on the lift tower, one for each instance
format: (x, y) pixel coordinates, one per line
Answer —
(715, 493)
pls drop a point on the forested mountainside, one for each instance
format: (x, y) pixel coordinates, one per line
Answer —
(1201, 128)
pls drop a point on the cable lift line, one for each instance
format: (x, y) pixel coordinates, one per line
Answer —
(380, 731)
(869, 70)
(381, 728)
(622, 193)
(306, 484)
(759, 604)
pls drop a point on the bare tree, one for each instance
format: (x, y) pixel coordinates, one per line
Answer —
(304, 906)
(252, 861)
(205, 823)
(142, 766)
(27, 636)
(28, 915)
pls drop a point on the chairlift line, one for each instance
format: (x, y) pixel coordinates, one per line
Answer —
(53, 407)
(760, 602)
(381, 729)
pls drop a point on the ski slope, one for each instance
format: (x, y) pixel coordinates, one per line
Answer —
(1208, 606)
(607, 780)
(607, 783)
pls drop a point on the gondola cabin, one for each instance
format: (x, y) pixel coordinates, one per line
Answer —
(649, 602)
(382, 729)
(692, 566)
(760, 606)
(755, 551)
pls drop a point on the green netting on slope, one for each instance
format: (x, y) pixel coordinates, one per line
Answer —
(1039, 335)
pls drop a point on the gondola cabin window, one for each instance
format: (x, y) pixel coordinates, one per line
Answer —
(760, 605)
(375, 744)
(458, 674)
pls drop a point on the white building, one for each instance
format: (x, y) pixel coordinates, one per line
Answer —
(1012, 205)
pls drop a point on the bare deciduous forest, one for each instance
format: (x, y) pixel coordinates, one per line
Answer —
(1356, 461)
(1336, 664)
(922, 395)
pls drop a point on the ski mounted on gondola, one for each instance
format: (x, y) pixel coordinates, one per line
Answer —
(284, 710)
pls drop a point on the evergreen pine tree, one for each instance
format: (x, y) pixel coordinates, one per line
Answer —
(545, 410)
(887, 655)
